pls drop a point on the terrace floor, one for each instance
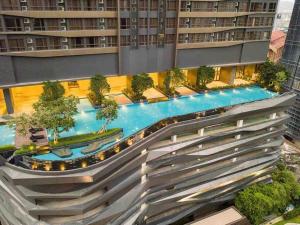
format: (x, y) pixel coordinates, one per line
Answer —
(153, 94)
(120, 98)
(216, 84)
(185, 91)
(239, 81)
(21, 140)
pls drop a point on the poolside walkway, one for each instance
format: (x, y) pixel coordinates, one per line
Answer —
(21, 140)
(216, 84)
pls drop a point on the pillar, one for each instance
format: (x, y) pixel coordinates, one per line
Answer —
(174, 138)
(201, 132)
(8, 100)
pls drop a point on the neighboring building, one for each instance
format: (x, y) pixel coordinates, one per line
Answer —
(291, 59)
(164, 173)
(276, 45)
(282, 21)
(71, 40)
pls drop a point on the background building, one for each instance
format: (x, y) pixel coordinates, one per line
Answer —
(71, 40)
(276, 45)
(283, 15)
(291, 59)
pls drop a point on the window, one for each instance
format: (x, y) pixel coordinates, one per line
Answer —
(171, 5)
(143, 4)
(75, 24)
(153, 4)
(50, 4)
(10, 4)
(153, 22)
(52, 24)
(90, 24)
(54, 43)
(171, 22)
(272, 7)
(142, 39)
(77, 42)
(13, 24)
(92, 42)
(38, 24)
(143, 22)
(125, 23)
(16, 45)
(73, 4)
(41, 43)
(111, 5)
(90, 5)
(3, 46)
(125, 40)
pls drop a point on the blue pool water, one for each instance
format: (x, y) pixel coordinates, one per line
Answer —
(135, 117)
(7, 135)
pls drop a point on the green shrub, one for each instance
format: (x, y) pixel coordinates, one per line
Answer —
(291, 214)
(4, 148)
(26, 149)
(83, 138)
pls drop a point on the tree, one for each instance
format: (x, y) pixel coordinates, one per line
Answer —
(108, 112)
(23, 123)
(56, 115)
(52, 111)
(174, 78)
(205, 75)
(140, 83)
(272, 76)
(260, 200)
(99, 86)
(52, 90)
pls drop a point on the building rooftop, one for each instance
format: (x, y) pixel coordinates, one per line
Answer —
(277, 40)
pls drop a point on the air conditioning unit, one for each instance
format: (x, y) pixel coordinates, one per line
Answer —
(63, 21)
(187, 9)
(186, 36)
(29, 41)
(216, 4)
(61, 8)
(237, 4)
(133, 9)
(65, 47)
(103, 45)
(27, 28)
(23, 1)
(187, 25)
(188, 3)
(63, 28)
(26, 20)
(234, 19)
(64, 39)
(30, 48)
(101, 1)
(133, 20)
(133, 1)
(61, 1)
(102, 38)
(187, 20)
(212, 35)
(133, 26)
(102, 27)
(24, 8)
(101, 8)
(101, 20)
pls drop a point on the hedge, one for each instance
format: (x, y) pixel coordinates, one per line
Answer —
(83, 138)
(7, 148)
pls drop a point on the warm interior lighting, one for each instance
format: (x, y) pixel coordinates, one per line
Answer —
(62, 167)
(101, 156)
(117, 149)
(48, 166)
(129, 142)
(34, 165)
(84, 164)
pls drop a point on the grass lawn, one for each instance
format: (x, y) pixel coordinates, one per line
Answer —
(293, 220)
(83, 138)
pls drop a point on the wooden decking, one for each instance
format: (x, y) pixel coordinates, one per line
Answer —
(21, 140)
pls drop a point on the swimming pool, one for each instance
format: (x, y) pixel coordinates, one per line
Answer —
(7, 135)
(135, 117)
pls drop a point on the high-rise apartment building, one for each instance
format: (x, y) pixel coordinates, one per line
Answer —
(291, 60)
(71, 40)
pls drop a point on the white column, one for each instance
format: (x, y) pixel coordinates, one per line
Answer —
(239, 123)
(174, 138)
(273, 116)
(201, 132)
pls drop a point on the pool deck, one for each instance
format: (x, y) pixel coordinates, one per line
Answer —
(152, 94)
(21, 140)
(120, 98)
(184, 91)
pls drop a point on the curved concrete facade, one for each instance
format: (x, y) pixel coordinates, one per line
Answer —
(162, 178)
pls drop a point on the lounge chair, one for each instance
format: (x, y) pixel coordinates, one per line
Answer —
(92, 147)
(35, 130)
(36, 137)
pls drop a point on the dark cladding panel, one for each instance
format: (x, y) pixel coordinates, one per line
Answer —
(208, 56)
(145, 59)
(255, 51)
(6, 71)
(41, 69)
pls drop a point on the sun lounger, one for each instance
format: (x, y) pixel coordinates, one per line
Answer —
(36, 137)
(35, 130)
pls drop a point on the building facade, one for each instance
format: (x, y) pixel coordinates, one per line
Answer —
(71, 40)
(276, 45)
(173, 170)
(291, 60)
